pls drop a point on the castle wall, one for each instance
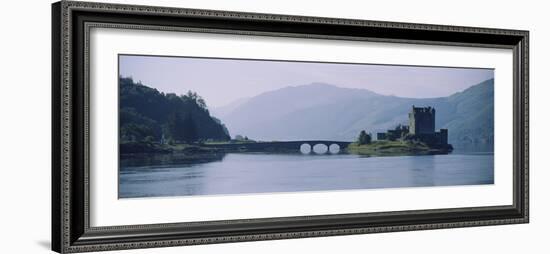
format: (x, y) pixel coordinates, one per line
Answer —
(422, 128)
(422, 120)
(443, 136)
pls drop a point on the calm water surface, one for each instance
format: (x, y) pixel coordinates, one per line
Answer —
(260, 173)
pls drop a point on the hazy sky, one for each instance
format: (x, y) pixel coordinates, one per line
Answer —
(222, 81)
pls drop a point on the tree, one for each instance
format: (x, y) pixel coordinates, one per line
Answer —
(364, 138)
(181, 129)
(134, 132)
(145, 111)
(189, 130)
(174, 128)
(197, 99)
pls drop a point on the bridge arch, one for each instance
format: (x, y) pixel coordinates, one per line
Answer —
(306, 148)
(334, 148)
(320, 148)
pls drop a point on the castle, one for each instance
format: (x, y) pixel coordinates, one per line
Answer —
(421, 128)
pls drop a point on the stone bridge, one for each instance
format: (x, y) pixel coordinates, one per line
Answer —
(280, 146)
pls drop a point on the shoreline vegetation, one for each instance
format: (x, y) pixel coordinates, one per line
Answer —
(397, 148)
(213, 149)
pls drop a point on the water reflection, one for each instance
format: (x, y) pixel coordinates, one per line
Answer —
(422, 171)
(170, 175)
(141, 160)
(474, 148)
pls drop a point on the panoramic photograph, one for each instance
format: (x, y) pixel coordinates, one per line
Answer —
(193, 126)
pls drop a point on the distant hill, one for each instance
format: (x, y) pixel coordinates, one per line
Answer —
(226, 109)
(324, 111)
(145, 114)
(471, 114)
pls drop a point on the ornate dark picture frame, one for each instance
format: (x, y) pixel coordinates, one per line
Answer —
(71, 22)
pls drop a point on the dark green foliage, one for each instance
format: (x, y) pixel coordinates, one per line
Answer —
(196, 98)
(147, 114)
(174, 127)
(134, 132)
(135, 127)
(223, 125)
(182, 128)
(364, 138)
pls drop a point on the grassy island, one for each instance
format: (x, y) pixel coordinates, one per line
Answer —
(396, 148)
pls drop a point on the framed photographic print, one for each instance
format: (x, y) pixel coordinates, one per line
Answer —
(182, 126)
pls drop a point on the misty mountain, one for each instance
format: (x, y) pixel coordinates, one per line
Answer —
(324, 111)
(226, 109)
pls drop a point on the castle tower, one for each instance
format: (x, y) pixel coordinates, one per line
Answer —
(422, 120)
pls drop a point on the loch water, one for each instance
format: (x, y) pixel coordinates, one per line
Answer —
(242, 173)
